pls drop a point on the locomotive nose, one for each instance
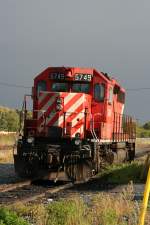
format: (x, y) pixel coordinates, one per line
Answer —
(64, 114)
(75, 107)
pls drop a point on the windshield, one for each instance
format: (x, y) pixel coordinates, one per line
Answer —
(81, 87)
(74, 87)
(60, 87)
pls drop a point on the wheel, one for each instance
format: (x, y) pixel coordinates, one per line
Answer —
(80, 171)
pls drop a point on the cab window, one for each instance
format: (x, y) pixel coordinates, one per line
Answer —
(81, 88)
(60, 87)
(99, 92)
(41, 86)
(121, 97)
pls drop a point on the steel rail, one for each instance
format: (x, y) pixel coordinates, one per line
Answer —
(14, 186)
(14, 198)
(43, 194)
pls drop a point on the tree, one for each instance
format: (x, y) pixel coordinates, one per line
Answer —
(9, 120)
(3, 122)
(146, 126)
(12, 121)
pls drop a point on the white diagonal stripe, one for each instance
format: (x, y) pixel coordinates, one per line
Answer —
(79, 116)
(47, 105)
(69, 111)
(66, 100)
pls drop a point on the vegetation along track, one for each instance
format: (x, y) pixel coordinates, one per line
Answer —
(28, 192)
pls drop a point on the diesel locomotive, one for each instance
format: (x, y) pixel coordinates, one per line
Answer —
(76, 125)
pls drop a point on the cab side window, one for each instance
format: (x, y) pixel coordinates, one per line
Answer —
(41, 86)
(99, 92)
(121, 97)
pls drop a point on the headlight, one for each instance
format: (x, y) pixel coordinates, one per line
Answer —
(30, 140)
(77, 141)
(77, 135)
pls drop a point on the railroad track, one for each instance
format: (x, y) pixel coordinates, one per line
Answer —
(10, 187)
(27, 192)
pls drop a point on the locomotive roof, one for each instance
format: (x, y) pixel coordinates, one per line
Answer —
(105, 76)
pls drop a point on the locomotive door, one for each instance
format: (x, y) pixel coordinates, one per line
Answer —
(98, 108)
(110, 113)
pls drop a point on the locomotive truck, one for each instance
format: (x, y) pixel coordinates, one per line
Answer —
(77, 125)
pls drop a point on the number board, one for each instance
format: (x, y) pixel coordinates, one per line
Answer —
(83, 77)
(57, 76)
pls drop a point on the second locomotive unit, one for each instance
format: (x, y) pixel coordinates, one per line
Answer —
(77, 125)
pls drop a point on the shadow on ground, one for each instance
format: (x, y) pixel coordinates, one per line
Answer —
(113, 176)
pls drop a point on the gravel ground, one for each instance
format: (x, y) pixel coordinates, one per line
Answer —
(7, 173)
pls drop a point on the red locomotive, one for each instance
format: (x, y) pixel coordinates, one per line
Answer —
(77, 125)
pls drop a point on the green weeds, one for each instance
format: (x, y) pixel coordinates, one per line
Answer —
(122, 174)
(8, 217)
(103, 209)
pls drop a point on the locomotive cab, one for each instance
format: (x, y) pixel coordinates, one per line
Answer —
(77, 123)
(62, 110)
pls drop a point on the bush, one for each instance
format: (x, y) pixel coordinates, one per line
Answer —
(146, 126)
(9, 119)
(8, 217)
(143, 131)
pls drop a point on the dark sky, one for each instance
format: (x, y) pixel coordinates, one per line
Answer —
(112, 36)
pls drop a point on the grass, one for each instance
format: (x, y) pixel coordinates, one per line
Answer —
(142, 133)
(102, 209)
(8, 217)
(6, 156)
(63, 212)
(143, 143)
(7, 139)
(115, 210)
(122, 173)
